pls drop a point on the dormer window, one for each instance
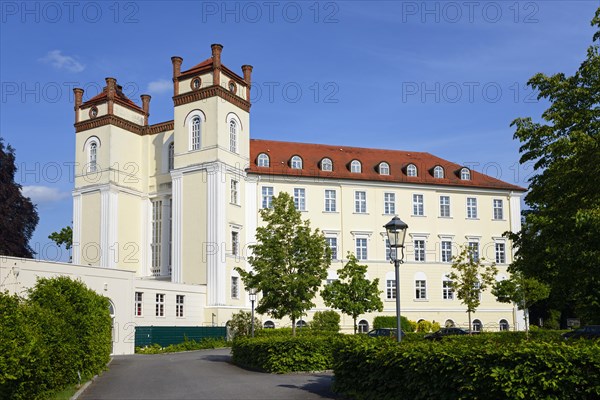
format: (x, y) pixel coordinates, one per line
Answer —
(355, 167)
(326, 164)
(411, 170)
(263, 160)
(196, 83)
(296, 162)
(384, 168)
(438, 172)
(465, 174)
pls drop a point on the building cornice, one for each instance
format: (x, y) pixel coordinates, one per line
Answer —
(124, 124)
(211, 91)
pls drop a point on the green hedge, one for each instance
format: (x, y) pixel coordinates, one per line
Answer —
(63, 329)
(385, 321)
(464, 369)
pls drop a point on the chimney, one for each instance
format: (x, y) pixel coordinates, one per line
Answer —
(247, 69)
(78, 101)
(176, 72)
(111, 92)
(216, 56)
(146, 107)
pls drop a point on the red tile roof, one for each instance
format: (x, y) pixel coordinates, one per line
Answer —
(199, 67)
(280, 154)
(119, 98)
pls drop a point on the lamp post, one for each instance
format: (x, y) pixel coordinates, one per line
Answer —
(252, 300)
(396, 233)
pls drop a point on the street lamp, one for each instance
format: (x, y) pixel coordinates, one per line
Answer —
(396, 232)
(252, 300)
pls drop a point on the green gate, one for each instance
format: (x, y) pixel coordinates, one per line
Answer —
(166, 335)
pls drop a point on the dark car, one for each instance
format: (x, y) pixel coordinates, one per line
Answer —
(438, 335)
(587, 332)
(384, 332)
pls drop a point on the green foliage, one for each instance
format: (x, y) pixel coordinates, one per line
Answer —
(469, 368)
(289, 262)
(62, 329)
(386, 321)
(326, 321)
(65, 236)
(558, 243)
(284, 332)
(186, 345)
(424, 326)
(241, 324)
(353, 294)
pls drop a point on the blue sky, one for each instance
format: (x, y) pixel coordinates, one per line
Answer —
(445, 77)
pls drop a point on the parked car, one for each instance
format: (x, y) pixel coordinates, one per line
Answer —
(438, 335)
(586, 332)
(384, 332)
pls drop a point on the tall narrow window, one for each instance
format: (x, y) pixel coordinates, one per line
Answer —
(330, 201)
(160, 305)
(471, 207)
(267, 197)
(474, 251)
(389, 252)
(263, 160)
(361, 248)
(332, 243)
(138, 310)
(420, 289)
(500, 253)
(235, 287)
(390, 289)
(446, 251)
(195, 133)
(419, 250)
(235, 243)
(355, 167)
(300, 199)
(156, 236)
(234, 191)
(179, 303)
(444, 206)
(171, 156)
(233, 136)
(296, 162)
(447, 291)
(418, 205)
(389, 203)
(498, 209)
(93, 166)
(411, 170)
(360, 202)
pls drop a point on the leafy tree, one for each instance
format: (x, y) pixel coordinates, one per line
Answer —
(327, 321)
(520, 290)
(558, 243)
(353, 294)
(289, 262)
(241, 323)
(470, 277)
(65, 236)
(18, 216)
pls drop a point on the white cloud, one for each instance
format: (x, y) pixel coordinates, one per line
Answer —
(43, 194)
(60, 61)
(160, 86)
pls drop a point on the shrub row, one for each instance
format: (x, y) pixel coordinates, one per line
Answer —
(186, 345)
(463, 369)
(61, 332)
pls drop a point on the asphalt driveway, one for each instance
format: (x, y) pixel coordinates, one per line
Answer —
(204, 374)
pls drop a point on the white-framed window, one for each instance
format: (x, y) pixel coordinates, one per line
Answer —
(447, 291)
(233, 136)
(361, 248)
(474, 250)
(326, 164)
(139, 304)
(445, 206)
(477, 286)
(446, 251)
(477, 325)
(269, 325)
(500, 252)
(498, 209)
(418, 205)
(465, 174)
(160, 305)
(390, 289)
(389, 203)
(93, 161)
(355, 167)
(471, 207)
(420, 289)
(234, 192)
(332, 243)
(363, 326)
(330, 200)
(156, 245)
(438, 172)
(296, 162)
(503, 325)
(195, 132)
(267, 196)
(384, 168)
(411, 170)
(179, 304)
(235, 287)
(389, 252)
(263, 160)
(360, 202)
(419, 245)
(235, 243)
(171, 155)
(300, 199)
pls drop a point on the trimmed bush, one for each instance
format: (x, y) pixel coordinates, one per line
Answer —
(326, 321)
(186, 345)
(384, 321)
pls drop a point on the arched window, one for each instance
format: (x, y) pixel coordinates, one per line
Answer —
(195, 130)
(504, 325)
(326, 164)
(411, 170)
(233, 136)
(449, 323)
(384, 168)
(269, 325)
(355, 167)
(465, 174)
(438, 172)
(301, 323)
(363, 326)
(93, 157)
(263, 160)
(296, 162)
(477, 325)
(171, 156)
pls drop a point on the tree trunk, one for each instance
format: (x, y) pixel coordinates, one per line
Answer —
(293, 327)
(470, 324)
(355, 325)
(526, 311)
